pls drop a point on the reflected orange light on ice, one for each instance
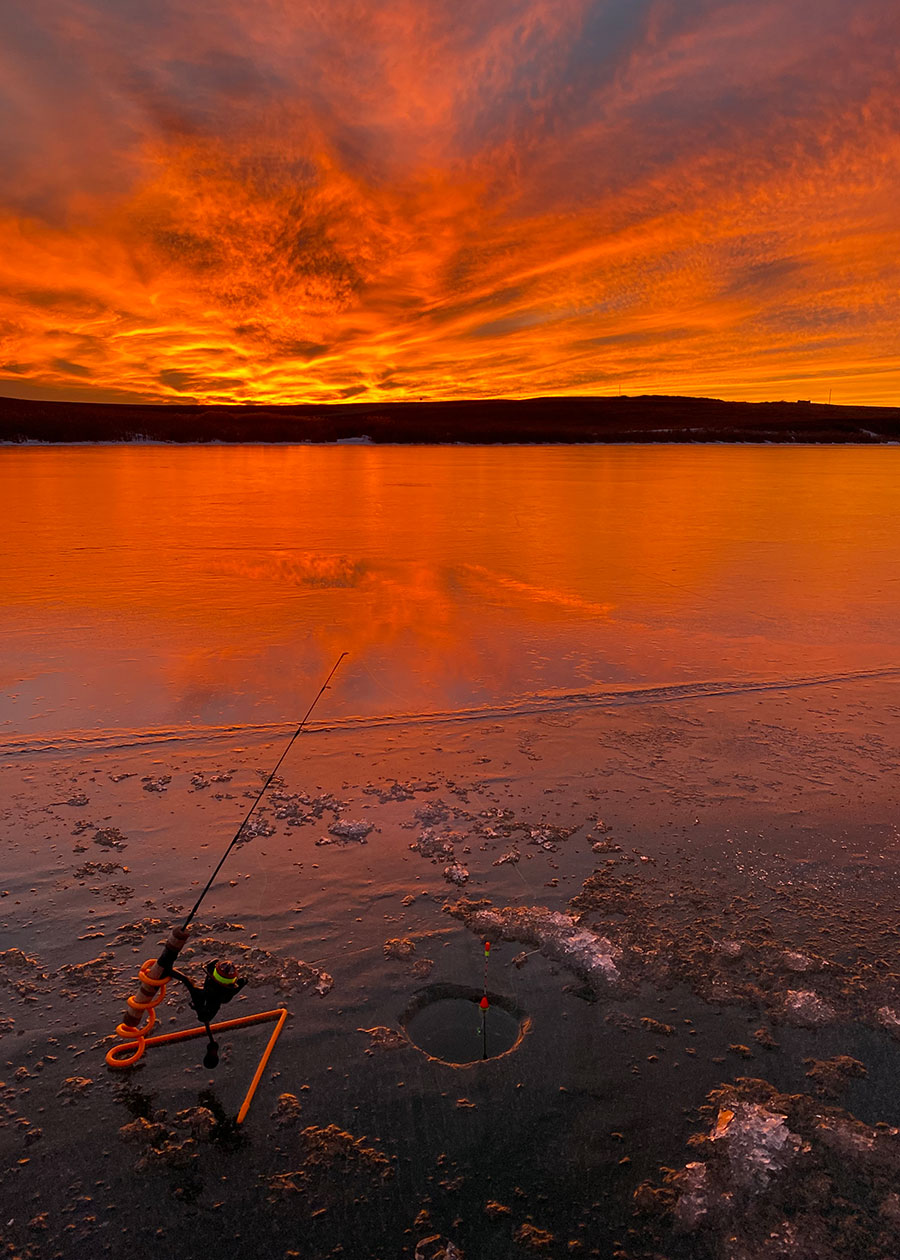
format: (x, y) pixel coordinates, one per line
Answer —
(217, 583)
(402, 201)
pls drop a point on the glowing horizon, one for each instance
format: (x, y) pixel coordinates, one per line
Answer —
(418, 200)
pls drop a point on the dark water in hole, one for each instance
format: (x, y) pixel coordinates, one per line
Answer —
(453, 1029)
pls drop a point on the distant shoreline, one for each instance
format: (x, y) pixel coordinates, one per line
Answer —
(537, 421)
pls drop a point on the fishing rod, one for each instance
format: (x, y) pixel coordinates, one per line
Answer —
(221, 982)
(261, 793)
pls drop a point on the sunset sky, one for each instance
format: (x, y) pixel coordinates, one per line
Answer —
(289, 201)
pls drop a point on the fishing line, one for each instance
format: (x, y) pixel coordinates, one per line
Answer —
(383, 685)
(531, 888)
(262, 792)
(484, 1004)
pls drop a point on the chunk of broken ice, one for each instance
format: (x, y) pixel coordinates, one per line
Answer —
(694, 1201)
(802, 1006)
(557, 935)
(890, 1020)
(757, 1141)
(351, 830)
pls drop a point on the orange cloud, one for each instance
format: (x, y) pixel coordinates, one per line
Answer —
(417, 200)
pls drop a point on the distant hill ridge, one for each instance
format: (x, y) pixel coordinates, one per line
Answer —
(655, 418)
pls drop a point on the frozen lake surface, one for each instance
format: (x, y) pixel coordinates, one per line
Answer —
(150, 588)
(631, 713)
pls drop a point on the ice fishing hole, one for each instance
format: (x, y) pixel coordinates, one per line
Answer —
(446, 1022)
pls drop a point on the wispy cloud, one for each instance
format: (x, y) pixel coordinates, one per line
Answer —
(422, 199)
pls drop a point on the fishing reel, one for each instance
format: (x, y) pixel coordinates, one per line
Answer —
(219, 987)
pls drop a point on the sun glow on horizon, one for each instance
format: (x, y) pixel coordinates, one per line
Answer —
(426, 201)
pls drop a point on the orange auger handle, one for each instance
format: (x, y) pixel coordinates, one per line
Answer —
(130, 1031)
(153, 975)
(136, 1047)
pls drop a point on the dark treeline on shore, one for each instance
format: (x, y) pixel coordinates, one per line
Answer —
(618, 419)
